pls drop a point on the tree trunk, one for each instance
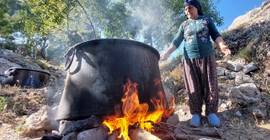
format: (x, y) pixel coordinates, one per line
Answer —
(88, 17)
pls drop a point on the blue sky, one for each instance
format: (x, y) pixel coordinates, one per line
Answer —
(231, 9)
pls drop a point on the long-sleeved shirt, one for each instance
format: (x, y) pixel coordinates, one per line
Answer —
(196, 34)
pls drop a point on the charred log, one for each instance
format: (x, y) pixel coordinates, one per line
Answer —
(91, 122)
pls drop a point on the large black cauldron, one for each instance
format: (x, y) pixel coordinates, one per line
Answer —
(97, 71)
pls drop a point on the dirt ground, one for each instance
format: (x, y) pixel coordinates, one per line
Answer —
(233, 127)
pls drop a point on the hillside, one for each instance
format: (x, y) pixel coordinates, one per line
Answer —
(256, 15)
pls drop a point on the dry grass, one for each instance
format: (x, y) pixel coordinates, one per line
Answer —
(16, 102)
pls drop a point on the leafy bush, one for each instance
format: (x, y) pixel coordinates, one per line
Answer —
(226, 34)
(3, 103)
(244, 53)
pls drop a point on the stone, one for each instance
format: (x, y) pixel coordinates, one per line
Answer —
(259, 113)
(40, 121)
(5, 65)
(238, 114)
(268, 54)
(70, 136)
(250, 67)
(242, 78)
(241, 61)
(247, 79)
(234, 66)
(232, 75)
(99, 133)
(221, 63)
(173, 119)
(221, 71)
(245, 94)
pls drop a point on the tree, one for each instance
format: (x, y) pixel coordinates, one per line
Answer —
(84, 21)
(7, 24)
(59, 24)
(108, 19)
(117, 22)
(38, 19)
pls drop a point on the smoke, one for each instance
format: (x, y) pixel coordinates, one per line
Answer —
(151, 18)
(154, 19)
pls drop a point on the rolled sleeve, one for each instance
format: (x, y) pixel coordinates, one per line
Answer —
(179, 37)
(213, 30)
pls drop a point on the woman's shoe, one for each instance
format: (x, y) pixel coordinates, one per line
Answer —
(213, 120)
(195, 121)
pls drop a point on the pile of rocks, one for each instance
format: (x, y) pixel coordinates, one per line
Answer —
(243, 88)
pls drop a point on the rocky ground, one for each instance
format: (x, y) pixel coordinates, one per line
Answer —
(238, 121)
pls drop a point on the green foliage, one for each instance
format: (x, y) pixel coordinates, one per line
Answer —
(3, 17)
(5, 23)
(117, 18)
(266, 36)
(19, 127)
(3, 103)
(226, 34)
(244, 53)
(178, 56)
(41, 17)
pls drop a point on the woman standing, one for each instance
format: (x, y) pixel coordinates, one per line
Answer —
(199, 63)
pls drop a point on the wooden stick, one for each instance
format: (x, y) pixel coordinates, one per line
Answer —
(196, 131)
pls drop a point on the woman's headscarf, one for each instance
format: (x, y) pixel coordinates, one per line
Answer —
(196, 4)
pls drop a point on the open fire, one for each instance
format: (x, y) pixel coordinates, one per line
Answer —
(133, 113)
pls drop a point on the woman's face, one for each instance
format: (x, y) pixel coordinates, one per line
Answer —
(191, 11)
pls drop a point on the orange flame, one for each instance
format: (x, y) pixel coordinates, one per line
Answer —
(136, 113)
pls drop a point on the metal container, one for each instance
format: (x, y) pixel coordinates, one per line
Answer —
(25, 77)
(97, 71)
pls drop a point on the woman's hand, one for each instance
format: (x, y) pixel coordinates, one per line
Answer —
(167, 53)
(164, 56)
(225, 49)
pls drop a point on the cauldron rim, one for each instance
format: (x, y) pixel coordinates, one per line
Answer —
(29, 69)
(141, 44)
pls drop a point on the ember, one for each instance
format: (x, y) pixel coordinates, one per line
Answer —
(134, 113)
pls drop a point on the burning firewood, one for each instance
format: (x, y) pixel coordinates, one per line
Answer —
(81, 125)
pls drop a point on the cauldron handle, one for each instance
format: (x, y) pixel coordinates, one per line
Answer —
(69, 58)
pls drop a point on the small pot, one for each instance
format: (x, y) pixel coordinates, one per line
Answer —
(26, 77)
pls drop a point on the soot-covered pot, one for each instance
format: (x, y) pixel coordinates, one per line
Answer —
(97, 71)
